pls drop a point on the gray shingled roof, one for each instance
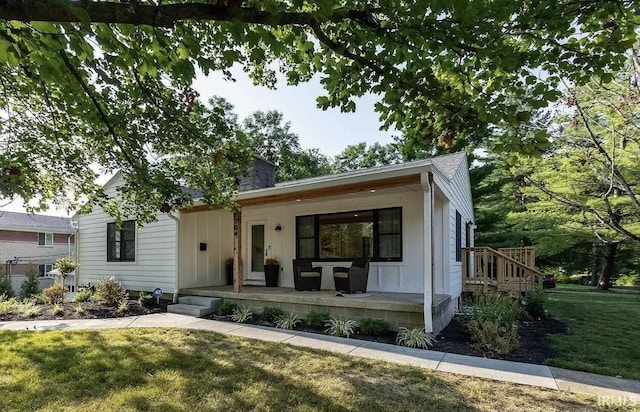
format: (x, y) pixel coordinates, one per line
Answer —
(33, 223)
(448, 164)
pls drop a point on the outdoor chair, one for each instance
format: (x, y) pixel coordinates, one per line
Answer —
(305, 276)
(354, 278)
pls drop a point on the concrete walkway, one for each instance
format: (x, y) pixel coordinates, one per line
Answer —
(516, 372)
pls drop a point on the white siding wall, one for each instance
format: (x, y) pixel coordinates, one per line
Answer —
(404, 276)
(155, 262)
(30, 253)
(205, 268)
(458, 191)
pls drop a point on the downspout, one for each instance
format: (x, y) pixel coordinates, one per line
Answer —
(425, 179)
(177, 265)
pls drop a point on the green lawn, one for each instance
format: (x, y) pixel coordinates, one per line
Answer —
(603, 333)
(616, 290)
(181, 370)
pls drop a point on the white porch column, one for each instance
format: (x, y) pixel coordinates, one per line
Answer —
(428, 239)
(176, 281)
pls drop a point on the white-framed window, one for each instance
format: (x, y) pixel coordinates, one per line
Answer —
(44, 269)
(45, 239)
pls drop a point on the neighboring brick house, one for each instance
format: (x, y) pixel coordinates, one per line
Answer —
(28, 240)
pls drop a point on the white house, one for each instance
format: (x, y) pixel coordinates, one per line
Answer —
(410, 219)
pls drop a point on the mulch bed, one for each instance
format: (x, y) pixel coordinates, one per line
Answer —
(532, 348)
(90, 310)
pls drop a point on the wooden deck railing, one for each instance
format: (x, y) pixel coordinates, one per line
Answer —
(506, 270)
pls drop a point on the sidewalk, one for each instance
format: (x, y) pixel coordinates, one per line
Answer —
(520, 373)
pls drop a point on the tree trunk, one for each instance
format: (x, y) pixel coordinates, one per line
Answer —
(595, 276)
(608, 259)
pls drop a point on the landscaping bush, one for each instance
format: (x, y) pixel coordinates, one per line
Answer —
(340, 326)
(271, 313)
(535, 303)
(242, 314)
(631, 279)
(31, 285)
(227, 308)
(375, 327)
(493, 336)
(491, 322)
(84, 295)
(316, 320)
(54, 294)
(415, 338)
(287, 321)
(8, 305)
(110, 292)
(5, 286)
(146, 300)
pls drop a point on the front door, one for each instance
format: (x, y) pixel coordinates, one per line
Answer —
(256, 250)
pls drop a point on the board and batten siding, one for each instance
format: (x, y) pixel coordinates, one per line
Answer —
(207, 267)
(155, 258)
(458, 191)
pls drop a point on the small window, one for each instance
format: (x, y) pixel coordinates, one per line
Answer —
(458, 237)
(121, 242)
(45, 239)
(43, 270)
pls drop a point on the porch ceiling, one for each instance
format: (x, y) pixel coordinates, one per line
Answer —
(396, 184)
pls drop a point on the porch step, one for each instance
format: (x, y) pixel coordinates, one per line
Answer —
(195, 305)
(191, 310)
(201, 301)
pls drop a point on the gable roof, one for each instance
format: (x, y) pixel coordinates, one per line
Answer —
(27, 222)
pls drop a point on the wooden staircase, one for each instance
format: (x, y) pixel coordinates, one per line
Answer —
(509, 270)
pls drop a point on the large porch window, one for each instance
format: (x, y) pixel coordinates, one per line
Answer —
(376, 234)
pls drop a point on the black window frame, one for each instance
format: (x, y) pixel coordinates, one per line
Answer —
(112, 243)
(376, 236)
(458, 237)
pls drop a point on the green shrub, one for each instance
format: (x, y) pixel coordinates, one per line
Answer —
(535, 303)
(340, 326)
(493, 307)
(415, 338)
(31, 285)
(8, 305)
(109, 291)
(28, 309)
(491, 322)
(375, 327)
(146, 300)
(123, 306)
(84, 295)
(79, 309)
(5, 286)
(242, 314)
(54, 294)
(227, 308)
(632, 279)
(289, 321)
(487, 334)
(57, 309)
(271, 313)
(316, 320)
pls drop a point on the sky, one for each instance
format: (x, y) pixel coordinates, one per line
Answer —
(330, 131)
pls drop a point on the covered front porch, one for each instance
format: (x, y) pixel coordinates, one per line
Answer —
(399, 309)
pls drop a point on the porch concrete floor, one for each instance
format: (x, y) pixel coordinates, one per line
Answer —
(385, 301)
